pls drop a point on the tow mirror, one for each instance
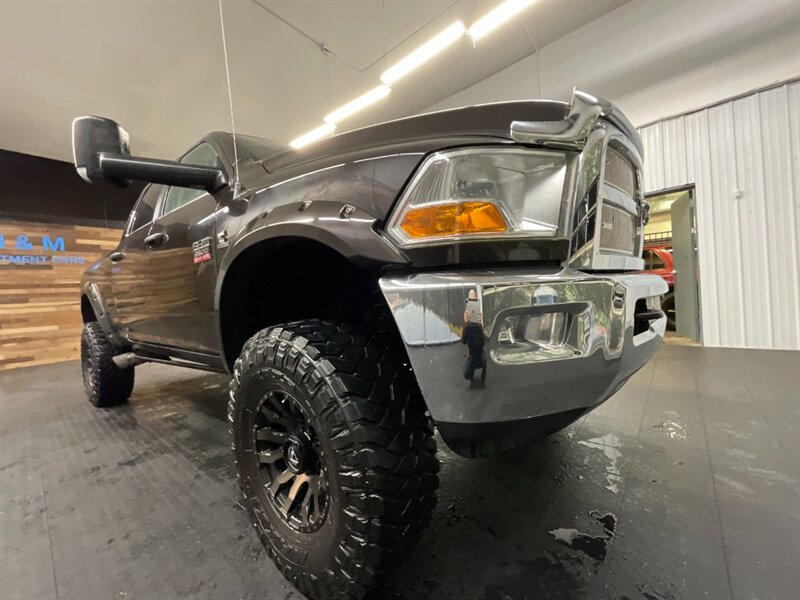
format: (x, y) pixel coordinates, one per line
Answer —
(101, 150)
(93, 136)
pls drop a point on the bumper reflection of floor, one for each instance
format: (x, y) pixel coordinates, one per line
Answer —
(678, 340)
(684, 485)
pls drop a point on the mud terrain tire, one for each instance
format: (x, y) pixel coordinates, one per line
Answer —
(376, 457)
(105, 383)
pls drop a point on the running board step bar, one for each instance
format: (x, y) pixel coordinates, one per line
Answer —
(131, 359)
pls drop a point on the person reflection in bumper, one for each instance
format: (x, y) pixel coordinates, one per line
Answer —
(472, 337)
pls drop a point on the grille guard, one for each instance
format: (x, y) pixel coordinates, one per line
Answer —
(572, 132)
(590, 127)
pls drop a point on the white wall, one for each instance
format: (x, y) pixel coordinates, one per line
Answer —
(744, 157)
(658, 59)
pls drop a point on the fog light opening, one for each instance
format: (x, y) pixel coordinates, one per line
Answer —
(646, 311)
(546, 331)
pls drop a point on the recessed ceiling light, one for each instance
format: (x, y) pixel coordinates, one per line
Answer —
(356, 105)
(497, 17)
(424, 53)
(313, 135)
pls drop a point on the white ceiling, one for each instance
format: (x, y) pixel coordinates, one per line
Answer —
(157, 66)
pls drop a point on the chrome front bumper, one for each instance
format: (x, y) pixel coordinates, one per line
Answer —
(553, 341)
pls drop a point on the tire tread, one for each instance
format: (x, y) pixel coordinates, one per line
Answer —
(381, 434)
(105, 383)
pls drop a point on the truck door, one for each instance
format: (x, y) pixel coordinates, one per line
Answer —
(131, 303)
(180, 266)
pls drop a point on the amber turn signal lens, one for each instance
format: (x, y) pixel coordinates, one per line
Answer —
(453, 218)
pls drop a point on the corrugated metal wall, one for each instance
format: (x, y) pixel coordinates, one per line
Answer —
(744, 158)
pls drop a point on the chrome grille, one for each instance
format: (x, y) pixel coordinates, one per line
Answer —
(583, 222)
(620, 172)
(607, 207)
(617, 230)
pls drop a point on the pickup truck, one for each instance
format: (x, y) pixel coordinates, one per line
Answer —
(658, 261)
(471, 271)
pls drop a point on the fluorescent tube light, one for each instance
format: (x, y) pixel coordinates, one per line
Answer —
(424, 53)
(497, 17)
(356, 105)
(313, 135)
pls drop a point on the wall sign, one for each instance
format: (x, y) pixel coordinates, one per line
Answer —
(41, 265)
(33, 250)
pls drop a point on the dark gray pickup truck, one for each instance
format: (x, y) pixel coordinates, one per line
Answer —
(472, 270)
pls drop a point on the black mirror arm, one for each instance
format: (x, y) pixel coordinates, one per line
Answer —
(122, 168)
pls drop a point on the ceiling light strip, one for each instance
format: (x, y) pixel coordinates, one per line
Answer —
(424, 53)
(482, 27)
(497, 17)
(364, 100)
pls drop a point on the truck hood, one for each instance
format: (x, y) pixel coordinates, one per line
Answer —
(493, 120)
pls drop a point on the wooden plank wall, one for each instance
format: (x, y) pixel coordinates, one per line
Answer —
(40, 315)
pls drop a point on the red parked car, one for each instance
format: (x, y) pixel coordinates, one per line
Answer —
(658, 261)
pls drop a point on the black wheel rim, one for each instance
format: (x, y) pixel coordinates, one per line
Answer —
(291, 463)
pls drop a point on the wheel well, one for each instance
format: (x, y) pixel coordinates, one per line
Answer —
(87, 312)
(289, 279)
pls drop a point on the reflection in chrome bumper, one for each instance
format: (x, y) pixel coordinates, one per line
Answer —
(547, 342)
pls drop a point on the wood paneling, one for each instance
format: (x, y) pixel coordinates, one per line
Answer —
(40, 315)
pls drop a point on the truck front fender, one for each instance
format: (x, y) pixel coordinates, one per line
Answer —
(306, 244)
(344, 228)
(92, 293)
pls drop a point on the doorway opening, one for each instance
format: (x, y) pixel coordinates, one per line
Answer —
(670, 251)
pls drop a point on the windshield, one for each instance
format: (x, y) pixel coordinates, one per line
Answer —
(260, 148)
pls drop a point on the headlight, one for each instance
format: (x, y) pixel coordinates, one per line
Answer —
(482, 193)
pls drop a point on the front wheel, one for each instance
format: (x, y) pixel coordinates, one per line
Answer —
(105, 383)
(334, 453)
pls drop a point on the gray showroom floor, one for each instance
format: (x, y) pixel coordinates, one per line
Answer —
(696, 461)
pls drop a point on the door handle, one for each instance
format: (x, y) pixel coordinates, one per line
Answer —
(155, 239)
(116, 256)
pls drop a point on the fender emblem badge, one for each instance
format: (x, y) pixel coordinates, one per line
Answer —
(201, 249)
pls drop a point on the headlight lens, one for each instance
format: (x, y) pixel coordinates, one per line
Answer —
(482, 193)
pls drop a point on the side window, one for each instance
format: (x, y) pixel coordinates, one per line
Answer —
(145, 207)
(203, 155)
(652, 261)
